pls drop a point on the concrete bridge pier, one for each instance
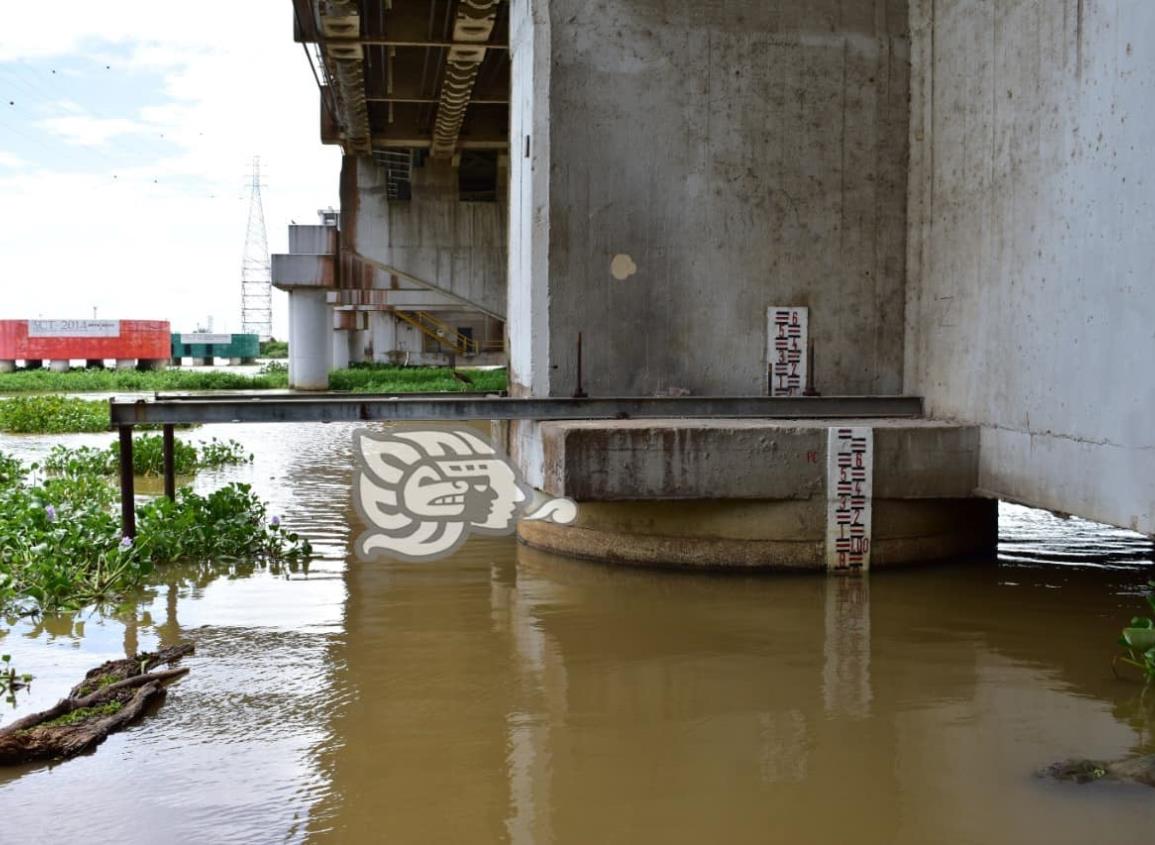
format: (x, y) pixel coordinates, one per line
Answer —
(310, 339)
(703, 215)
(7, 366)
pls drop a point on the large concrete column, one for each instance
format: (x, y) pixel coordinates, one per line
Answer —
(676, 173)
(7, 366)
(310, 330)
(59, 366)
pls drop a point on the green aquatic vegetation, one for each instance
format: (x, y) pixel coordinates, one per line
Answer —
(147, 457)
(61, 547)
(10, 680)
(1138, 641)
(83, 714)
(219, 453)
(52, 415)
(84, 380)
(386, 378)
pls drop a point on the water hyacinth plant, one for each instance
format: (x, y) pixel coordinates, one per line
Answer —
(147, 457)
(1138, 641)
(61, 545)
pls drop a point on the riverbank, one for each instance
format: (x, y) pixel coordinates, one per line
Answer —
(44, 411)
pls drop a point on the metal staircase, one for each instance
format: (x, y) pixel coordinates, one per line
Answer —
(440, 331)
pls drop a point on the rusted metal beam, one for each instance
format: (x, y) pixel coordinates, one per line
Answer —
(127, 481)
(169, 462)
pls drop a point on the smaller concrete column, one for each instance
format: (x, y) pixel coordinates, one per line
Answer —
(310, 339)
(205, 362)
(341, 342)
(126, 363)
(7, 366)
(234, 362)
(358, 340)
(384, 331)
(59, 366)
(152, 364)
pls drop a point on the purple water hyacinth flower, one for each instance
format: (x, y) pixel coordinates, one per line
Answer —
(126, 543)
(275, 521)
(50, 512)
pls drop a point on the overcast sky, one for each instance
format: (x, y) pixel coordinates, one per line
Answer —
(126, 134)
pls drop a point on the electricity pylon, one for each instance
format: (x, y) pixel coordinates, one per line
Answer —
(256, 278)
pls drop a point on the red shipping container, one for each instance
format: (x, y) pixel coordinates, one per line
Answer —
(57, 340)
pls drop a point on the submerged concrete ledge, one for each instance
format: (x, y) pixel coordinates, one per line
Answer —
(726, 494)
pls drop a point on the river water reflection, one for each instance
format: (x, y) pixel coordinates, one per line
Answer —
(510, 695)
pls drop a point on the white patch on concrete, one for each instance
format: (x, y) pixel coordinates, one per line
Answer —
(849, 488)
(787, 335)
(74, 328)
(622, 267)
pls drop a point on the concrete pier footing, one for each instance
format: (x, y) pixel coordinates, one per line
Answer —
(751, 494)
(126, 363)
(7, 366)
(59, 366)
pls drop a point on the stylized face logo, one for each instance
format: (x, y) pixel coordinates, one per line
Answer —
(424, 491)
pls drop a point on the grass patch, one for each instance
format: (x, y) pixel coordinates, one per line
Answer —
(83, 714)
(82, 381)
(52, 415)
(386, 378)
(362, 378)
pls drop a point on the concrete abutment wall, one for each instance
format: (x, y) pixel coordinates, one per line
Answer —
(1031, 295)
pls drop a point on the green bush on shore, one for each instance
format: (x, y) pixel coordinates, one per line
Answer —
(384, 378)
(275, 349)
(85, 381)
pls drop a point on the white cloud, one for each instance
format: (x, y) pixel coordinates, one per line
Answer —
(89, 131)
(162, 235)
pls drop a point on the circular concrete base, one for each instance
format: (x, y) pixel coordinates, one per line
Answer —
(786, 535)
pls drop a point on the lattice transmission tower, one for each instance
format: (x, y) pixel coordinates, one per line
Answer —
(256, 278)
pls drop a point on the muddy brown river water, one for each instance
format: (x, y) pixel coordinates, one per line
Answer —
(509, 695)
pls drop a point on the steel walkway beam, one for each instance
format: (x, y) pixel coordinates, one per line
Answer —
(329, 407)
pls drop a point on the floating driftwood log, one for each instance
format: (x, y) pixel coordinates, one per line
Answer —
(110, 697)
(1133, 770)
